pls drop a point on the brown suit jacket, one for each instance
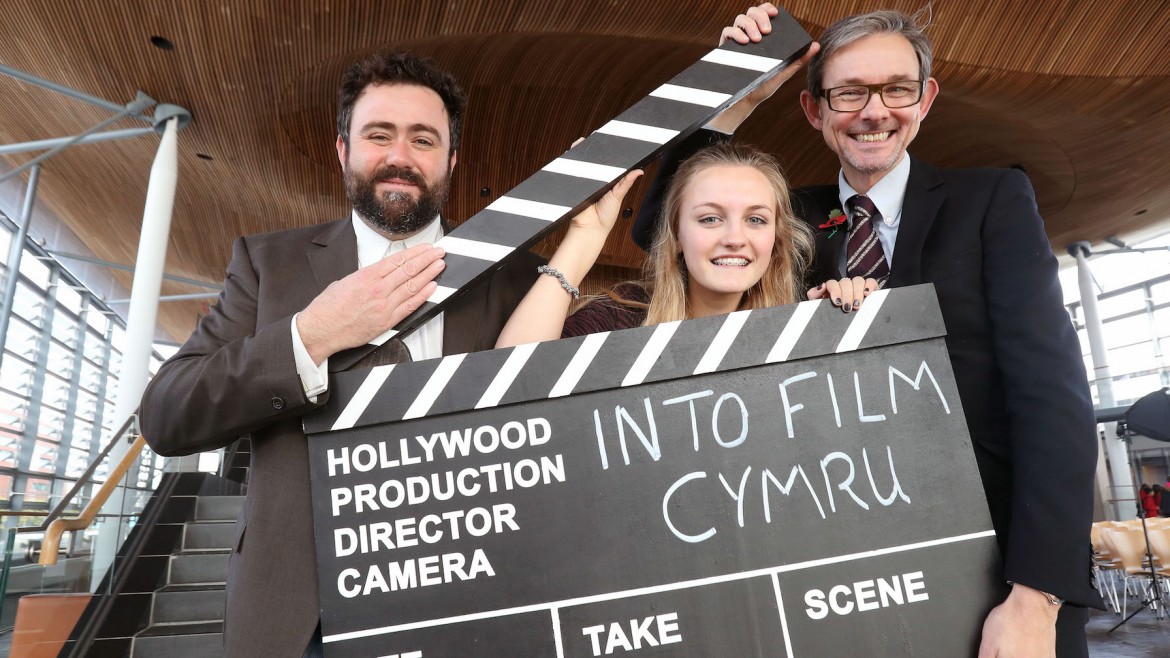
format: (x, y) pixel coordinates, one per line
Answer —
(236, 376)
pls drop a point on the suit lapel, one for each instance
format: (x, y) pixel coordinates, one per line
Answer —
(333, 256)
(924, 197)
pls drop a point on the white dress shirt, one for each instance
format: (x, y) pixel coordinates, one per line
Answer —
(887, 194)
(426, 342)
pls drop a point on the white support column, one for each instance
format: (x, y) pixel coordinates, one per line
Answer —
(141, 320)
(1121, 491)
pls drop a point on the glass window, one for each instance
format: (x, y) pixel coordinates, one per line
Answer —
(13, 410)
(1110, 307)
(16, 376)
(78, 462)
(56, 392)
(37, 490)
(91, 377)
(69, 297)
(82, 435)
(44, 458)
(85, 407)
(22, 340)
(64, 328)
(36, 271)
(95, 348)
(97, 320)
(1162, 321)
(6, 489)
(1129, 390)
(1131, 330)
(51, 423)
(1134, 358)
(118, 339)
(61, 361)
(28, 304)
(1160, 292)
(9, 449)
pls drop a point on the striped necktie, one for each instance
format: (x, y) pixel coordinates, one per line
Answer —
(865, 256)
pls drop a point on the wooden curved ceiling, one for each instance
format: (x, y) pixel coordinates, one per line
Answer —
(1075, 92)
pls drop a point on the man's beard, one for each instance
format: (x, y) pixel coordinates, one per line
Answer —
(396, 212)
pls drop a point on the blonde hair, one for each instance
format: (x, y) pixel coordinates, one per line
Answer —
(664, 274)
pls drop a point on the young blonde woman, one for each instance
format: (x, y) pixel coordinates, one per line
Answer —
(730, 241)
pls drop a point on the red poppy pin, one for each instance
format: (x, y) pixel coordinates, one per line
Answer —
(836, 219)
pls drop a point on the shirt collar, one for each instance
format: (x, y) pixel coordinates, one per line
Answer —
(372, 245)
(887, 194)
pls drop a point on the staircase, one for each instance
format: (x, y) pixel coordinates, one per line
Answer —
(170, 595)
(186, 617)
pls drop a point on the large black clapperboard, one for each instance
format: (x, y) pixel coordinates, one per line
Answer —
(791, 481)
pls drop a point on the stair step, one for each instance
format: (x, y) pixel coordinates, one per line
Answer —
(218, 508)
(188, 603)
(195, 568)
(208, 535)
(180, 641)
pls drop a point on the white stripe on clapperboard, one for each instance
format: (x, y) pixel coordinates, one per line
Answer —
(577, 366)
(473, 248)
(589, 348)
(434, 386)
(861, 321)
(582, 169)
(638, 131)
(507, 374)
(690, 95)
(650, 353)
(658, 589)
(525, 208)
(721, 342)
(361, 399)
(742, 60)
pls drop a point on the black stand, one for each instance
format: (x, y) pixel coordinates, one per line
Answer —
(1152, 593)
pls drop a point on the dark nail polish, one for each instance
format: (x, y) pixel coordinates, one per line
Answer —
(837, 301)
(856, 304)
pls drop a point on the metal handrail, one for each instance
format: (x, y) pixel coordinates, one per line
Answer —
(58, 527)
(131, 421)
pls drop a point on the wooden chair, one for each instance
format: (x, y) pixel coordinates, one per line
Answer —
(1130, 548)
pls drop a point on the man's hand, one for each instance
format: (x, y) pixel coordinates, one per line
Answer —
(363, 305)
(847, 294)
(1023, 626)
(748, 27)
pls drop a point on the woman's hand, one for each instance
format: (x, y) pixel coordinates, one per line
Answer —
(848, 293)
(749, 27)
(602, 215)
(541, 314)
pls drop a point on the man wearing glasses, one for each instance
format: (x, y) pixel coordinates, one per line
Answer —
(976, 235)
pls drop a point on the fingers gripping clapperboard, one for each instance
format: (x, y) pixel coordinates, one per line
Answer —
(790, 481)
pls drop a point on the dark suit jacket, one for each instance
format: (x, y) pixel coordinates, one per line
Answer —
(236, 376)
(977, 236)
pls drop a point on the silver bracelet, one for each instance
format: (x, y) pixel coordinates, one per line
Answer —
(545, 269)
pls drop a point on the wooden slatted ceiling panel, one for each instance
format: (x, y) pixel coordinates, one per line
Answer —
(1073, 90)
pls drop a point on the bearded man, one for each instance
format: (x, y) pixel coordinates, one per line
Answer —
(298, 304)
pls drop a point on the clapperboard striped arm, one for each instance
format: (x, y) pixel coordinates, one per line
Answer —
(533, 209)
(625, 358)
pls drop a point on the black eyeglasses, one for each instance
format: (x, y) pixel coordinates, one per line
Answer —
(851, 98)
